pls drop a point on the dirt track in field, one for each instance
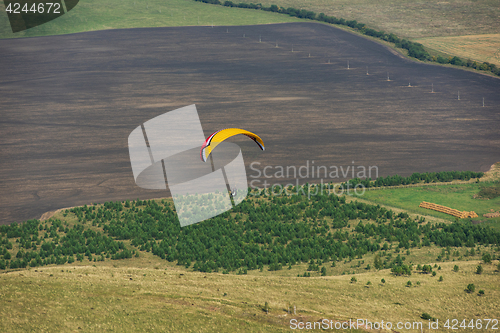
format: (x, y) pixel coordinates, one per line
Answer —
(68, 104)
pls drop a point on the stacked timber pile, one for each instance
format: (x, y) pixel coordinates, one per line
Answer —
(447, 210)
(494, 214)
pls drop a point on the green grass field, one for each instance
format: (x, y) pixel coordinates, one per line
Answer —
(91, 15)
(459, 197)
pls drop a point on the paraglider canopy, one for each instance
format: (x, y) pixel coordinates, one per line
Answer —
(221, 135)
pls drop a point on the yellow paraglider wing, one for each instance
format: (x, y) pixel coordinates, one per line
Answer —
(221, 135)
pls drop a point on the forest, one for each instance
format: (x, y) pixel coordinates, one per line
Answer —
(265, 230)
(54, 243)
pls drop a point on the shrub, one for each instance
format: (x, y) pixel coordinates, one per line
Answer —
(442, 60)
(479, 269)
(440, 278)
(470, 288)
(433, 273)
(487, 258)
(265, 308)
(481, 292)
(383, 280)
(484, 66)
(353, 279)
(455, 268)
(426, 269)
(427, 316)
(456, 61)
(408, 284)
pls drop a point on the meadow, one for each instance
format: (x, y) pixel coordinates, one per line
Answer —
(93, 15)
(475, 47)
(130, 296)
(460, 196)
(409, 19)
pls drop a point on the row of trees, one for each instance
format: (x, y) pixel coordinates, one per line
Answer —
(415, 178)
(485, 66)
(415, 50)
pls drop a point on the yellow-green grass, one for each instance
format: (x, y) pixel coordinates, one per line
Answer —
(408, 18)
(493, 174)
(459, 196)
(479, 48)
(90, 15)
(128, 296)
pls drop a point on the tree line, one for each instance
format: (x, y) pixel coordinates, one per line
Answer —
(415, 50)
(415, 178)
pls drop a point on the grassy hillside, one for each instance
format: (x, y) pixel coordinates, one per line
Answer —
(149, 294)
(409, 18)
(475, 47)
(90, 15)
